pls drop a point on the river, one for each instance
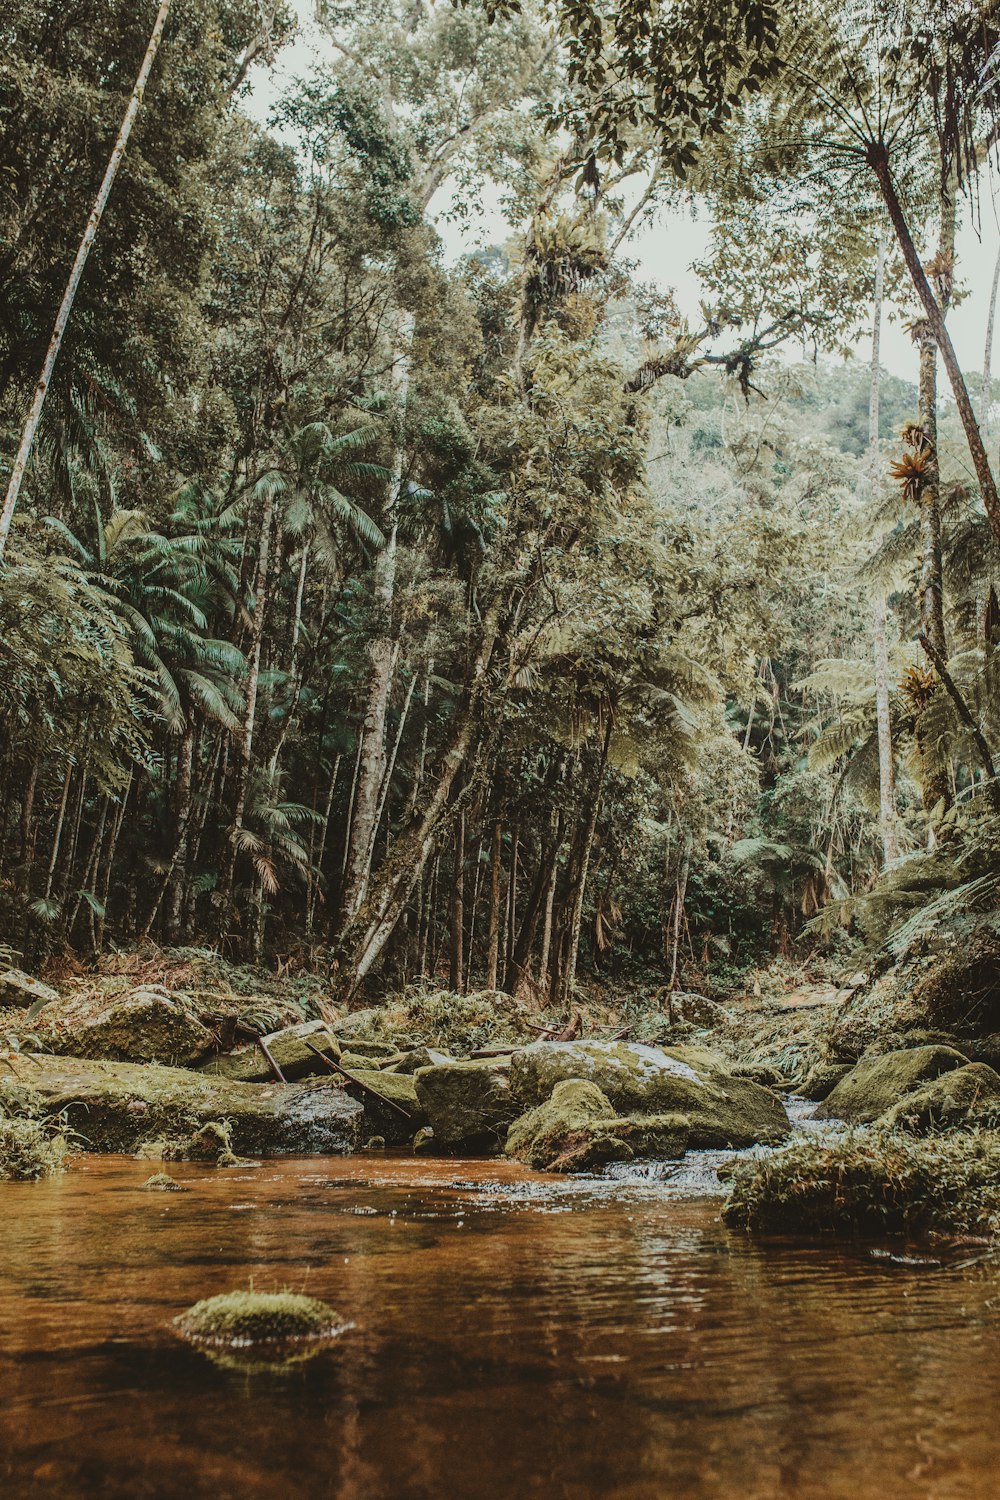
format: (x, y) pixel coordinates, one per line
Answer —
(511, 1335)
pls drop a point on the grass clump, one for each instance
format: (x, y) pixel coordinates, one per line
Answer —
(245, 1319)
(872, 1182)
(29, 1149)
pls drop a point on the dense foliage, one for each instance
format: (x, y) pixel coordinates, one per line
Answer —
(487, 620)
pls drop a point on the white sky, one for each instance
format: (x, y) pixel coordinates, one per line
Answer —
(666, 248)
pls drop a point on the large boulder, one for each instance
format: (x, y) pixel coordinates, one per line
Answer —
(577, 1130)
(392, 1108)
(960, 1099)
(143, 1025)
(721, 1110)
(469, 1104)
(118, 1106)
(875, 1084)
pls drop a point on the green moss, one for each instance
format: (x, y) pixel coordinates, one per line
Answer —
(962, 1099)
(875, 1084)
(469, 1104)
(162, 1182)
(383, 1091)
(117, 1106)
(872, 1182)
(722, 1110)
(242, 1319)
(577, 1130)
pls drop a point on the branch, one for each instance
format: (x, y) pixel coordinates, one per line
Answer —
(965, 714)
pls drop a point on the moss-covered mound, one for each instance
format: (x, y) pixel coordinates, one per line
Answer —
(722, 1110)
(162, 1182)
(577, 1130)
(871, 1182)
(469, 1104)
(877, 1083)
(245, 1319)
(962, 1099)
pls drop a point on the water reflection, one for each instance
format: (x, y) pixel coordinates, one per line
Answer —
(512, 1336)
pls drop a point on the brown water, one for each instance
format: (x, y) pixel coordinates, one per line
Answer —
(513, 1336)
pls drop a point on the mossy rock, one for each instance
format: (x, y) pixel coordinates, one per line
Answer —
(380, 1118)
(421, 1057)
(238, 1320)
(117, 1106)
(875, 1084)
(821, 1079)
(291, 1051)
(721, 1110)
(469, 1104)
(375, 1051)
(577, 1130)
(162, 1182)
(961, 1099)
(143, 1025)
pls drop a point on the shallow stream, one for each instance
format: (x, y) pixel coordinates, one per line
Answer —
(513, 1335)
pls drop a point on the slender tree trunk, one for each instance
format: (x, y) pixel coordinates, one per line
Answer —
(550, 900)
(931, 579)
(568, 978)
(179, 872)
(886, 770)
(383, 652)
(250, 716)
(984, 393)
(456, 953)
(680, 896)
(57, 833)
(75, 276)
(493, 925)
(27, 808)
(317, 873)
(878, 159)
(109, 862)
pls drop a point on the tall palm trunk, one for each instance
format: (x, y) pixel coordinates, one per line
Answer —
(75, 277)
(383, 653)
(886, 771)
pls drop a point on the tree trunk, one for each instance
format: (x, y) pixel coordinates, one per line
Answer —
(179, 873)
(886, 771)
(493, 927)
(568, 978)
(383, 652)
(75, 277)
(985, 389)
(456, 954)
(249, 721)
(878, 158)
